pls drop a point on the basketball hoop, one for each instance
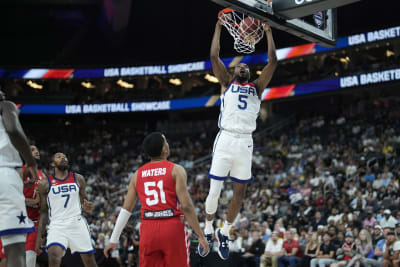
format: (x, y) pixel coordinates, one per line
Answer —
(246, 31)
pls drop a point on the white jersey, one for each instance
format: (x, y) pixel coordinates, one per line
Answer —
(63, 198)
(240, 106)
(9, 156)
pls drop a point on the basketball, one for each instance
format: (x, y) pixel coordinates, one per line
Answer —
(249, 25)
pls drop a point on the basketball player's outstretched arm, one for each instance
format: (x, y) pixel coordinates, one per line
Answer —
(123, 217)
(42, 188)
(86, 205)
(266, 74)
(218, 66)
(179, 174)
(9, 113)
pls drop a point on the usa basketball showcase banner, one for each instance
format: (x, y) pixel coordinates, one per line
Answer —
(384, 76)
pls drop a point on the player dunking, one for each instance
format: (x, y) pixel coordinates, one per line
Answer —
(162, 189)
(233, 146)
(62, 198)
(14, 224)
(32, 206)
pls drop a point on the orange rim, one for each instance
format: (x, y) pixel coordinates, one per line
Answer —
(225, 11)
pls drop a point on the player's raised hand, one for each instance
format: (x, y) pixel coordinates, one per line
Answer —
(108, 250)
(267, 28)
(87, 206)
(205, 247)
(29, 175)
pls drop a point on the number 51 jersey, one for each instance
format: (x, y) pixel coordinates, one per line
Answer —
(156, 189)
(63, 198)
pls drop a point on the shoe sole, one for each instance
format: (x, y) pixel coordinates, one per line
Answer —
(219, 253)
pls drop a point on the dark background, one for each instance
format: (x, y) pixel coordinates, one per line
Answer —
(86, 33)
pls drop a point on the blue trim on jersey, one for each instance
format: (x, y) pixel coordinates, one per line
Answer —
(16, 231)
(48, 179)
(75, 180)
(65, 178)
(216, 141)
(216, 177)
(56, 244)
(242, 181)
(86, 252)
(48, 204)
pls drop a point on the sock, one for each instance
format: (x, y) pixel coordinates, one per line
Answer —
(30, 258)
(209, 229)
(227, 228)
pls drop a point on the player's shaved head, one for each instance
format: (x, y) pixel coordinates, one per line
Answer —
(153, 144)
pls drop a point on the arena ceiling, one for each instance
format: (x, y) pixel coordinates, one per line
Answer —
(88, 33)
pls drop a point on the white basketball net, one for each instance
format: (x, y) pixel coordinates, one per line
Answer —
(246, 31)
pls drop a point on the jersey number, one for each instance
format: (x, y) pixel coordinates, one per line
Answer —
(66, 201)
(242, 100)
(152, 194)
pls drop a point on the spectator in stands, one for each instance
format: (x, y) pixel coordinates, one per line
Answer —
(334, 216)
(291, 251)
(326, 253)
(273, 250)
(369, 221)
(377, 234)
(392, 251)
(363, 251)
(318, 220)
(369, 176)
(251, 258)
(388, 220)
(311, 251)
(345, 254)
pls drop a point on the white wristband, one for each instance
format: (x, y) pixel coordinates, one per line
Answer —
(123, 218)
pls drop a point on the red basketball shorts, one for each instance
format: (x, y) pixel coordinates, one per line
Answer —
(163, 243)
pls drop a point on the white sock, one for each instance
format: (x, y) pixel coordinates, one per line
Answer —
(30, 258)
(227, 228)
(209, 229)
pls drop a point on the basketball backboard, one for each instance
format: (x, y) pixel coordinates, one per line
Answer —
(312, 20)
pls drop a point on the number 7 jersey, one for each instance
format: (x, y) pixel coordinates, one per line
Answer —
(156, 189)
(240, 106)
(63, 198)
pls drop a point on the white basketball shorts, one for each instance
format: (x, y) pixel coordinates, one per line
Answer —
(71, 233)
(13, 217)
(232, 155)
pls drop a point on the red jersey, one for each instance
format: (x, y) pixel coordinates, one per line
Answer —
(155, 187)
(29, 192)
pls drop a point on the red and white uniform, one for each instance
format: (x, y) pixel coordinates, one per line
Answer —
(33, 213)
(162, 219)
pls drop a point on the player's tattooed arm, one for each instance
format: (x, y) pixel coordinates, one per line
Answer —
(42, 190)
(86, 205)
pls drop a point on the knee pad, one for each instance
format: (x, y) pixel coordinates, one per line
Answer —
(213, 196)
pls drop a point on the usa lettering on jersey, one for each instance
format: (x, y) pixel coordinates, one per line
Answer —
(64, 189)
(243, 90)
(154, 172)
